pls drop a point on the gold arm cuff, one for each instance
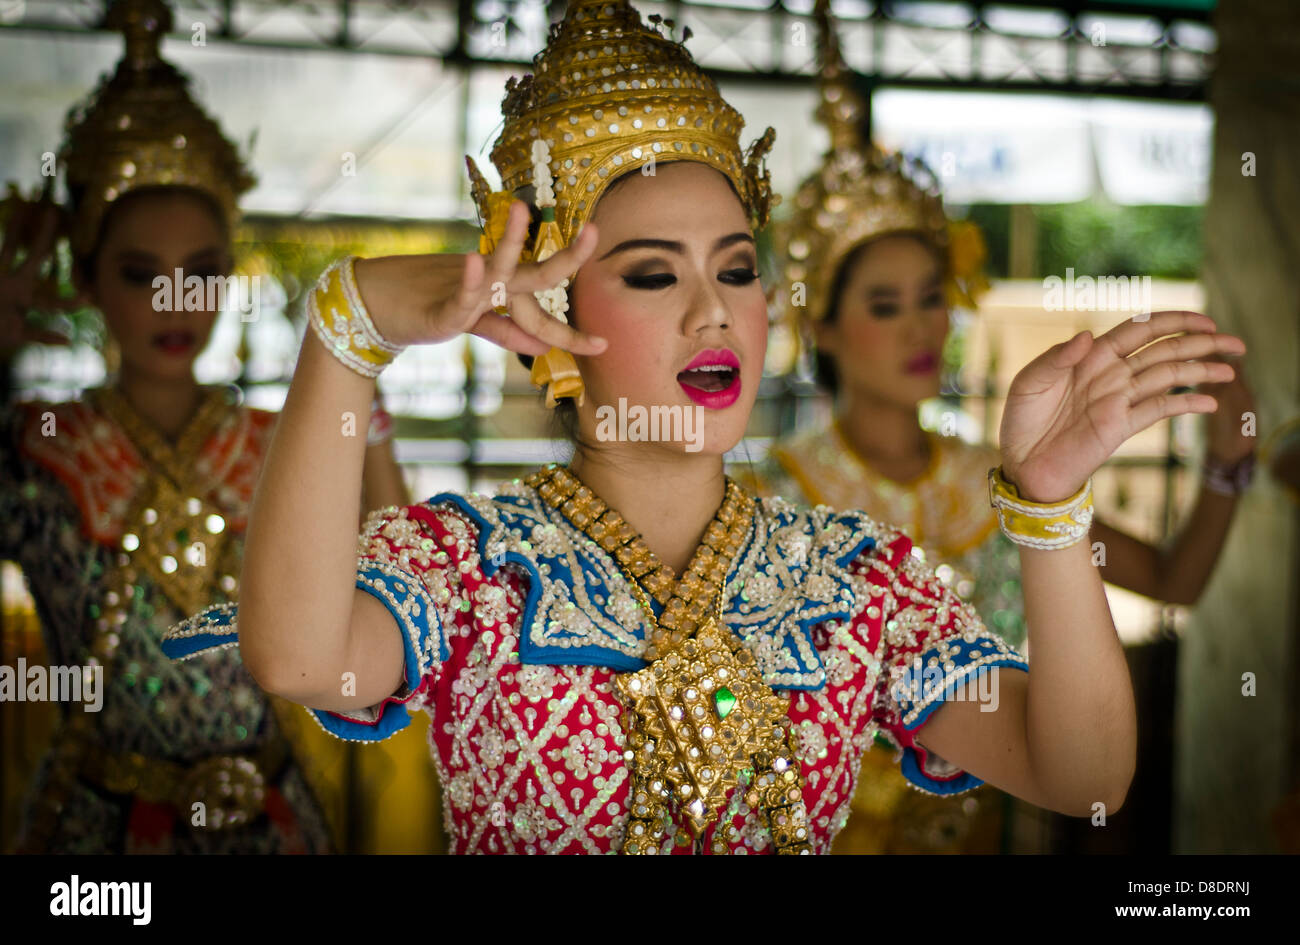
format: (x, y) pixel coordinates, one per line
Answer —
(1037, 524)
(340, 320)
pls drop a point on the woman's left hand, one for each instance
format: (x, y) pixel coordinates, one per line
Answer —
(1071, 407)
(1226, 438)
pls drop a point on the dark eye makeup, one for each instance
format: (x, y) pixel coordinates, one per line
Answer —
(643, 278)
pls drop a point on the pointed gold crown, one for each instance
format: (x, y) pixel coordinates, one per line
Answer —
(860, 193)
(140, 128)
(609, 95)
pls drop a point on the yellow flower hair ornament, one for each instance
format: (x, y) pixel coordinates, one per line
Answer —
(556, 370)
(967, 253)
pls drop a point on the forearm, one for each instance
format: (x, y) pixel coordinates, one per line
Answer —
(1177, 574)
(1081, 724)
(297, 583)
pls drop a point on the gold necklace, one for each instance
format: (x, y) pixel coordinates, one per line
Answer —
(174, 533)
(701, 721)
(685, 603)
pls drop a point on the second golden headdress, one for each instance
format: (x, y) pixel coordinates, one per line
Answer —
(861, 193)
(606, 96)
(140, 128)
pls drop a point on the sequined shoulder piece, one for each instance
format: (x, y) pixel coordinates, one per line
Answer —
(91, 456)
(102, 469)
(790, 575)
(793, 575)
(579, 610)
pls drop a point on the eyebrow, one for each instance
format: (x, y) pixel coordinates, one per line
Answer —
(673, 246)
(140, 254)
(933, 282)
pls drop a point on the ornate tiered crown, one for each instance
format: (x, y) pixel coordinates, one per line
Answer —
(860, 193)
(140, 128)
(606, 96)
(610, 95)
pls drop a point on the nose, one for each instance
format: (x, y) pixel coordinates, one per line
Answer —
(707, 309)
(916, 325)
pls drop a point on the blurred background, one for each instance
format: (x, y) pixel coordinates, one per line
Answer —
(1083, 136)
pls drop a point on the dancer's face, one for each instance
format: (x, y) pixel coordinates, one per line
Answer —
(891, 322)
(150, 235)
(673, 277)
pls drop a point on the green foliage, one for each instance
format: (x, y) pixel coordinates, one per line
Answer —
(1101, 239)
(1104, 240)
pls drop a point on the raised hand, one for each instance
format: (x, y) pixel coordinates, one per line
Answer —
(1225, 441)
(1071, 407)
(427, 299)
(33, 226)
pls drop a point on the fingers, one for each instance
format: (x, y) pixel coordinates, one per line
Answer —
(1052, 364)
(47, 219)
(1129, 336)
(473, 278)
(1169, 374)
(1162, 406)
(13, 226)
(505, 258)
(1186, 348)
(505, 332)
(530, 316)
(563, 264)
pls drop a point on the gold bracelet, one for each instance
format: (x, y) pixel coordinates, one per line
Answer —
(339, 318)
(1037, 524)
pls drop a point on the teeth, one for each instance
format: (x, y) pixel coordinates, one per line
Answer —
(713, 368)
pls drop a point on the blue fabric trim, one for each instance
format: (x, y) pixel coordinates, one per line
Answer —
(398, 590)
(911, 769)
(213, 628)
(530, 652)
(505, 524)
(935, 686)
(844, 610)
(406, 599)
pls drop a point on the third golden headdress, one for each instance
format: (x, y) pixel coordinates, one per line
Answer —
(861, 193)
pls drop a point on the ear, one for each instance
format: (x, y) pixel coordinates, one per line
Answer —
(825, 335)
(85, 289)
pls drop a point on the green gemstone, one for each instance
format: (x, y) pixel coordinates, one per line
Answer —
(724, 700)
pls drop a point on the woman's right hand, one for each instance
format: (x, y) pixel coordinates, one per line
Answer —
(433, 298)
(33, 225)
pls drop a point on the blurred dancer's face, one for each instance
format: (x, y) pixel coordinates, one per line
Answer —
(890, 325)
(150, 235)
(673, 286)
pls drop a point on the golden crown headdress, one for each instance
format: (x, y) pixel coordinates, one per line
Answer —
(607, 95)
(861, 193)
(140, 128)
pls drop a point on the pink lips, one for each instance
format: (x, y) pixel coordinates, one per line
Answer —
(925, 363)
(713, 399)
(174, 342)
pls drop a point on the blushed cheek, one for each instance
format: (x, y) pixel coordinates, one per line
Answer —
(128, 314)
(869, 342)
(630, 367)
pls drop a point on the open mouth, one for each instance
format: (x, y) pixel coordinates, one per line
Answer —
(173, 341)
(710, 378)
(924, 363)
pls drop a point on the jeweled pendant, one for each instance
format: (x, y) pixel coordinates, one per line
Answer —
(724, 700)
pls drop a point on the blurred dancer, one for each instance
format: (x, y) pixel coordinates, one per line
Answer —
(881, 263)
(127, 510)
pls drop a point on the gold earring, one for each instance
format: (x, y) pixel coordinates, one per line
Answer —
(112, 354)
